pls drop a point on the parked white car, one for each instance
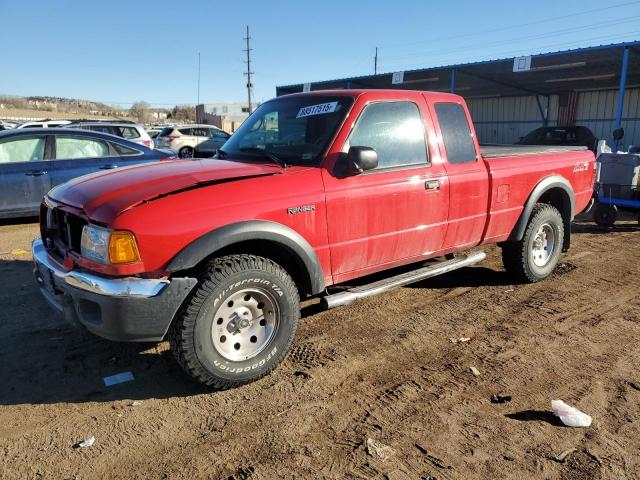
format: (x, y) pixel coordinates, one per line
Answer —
(184, 138)
(44, 124)
(131, 131)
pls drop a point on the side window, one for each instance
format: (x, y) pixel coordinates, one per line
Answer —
(22, 150)
(394, 130)
(80, 147)
(220, 134)
(124, 151)
(186, 131)
(456, 133)
(129, 132)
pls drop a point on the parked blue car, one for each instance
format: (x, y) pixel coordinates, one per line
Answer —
(32, 161)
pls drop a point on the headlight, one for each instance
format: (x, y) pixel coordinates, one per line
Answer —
(107, 246)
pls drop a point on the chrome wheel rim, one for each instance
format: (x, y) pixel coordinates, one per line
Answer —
(544, 243)
(244, 324)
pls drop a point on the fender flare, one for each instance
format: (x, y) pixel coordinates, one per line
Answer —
(546, 184)
(234, 233)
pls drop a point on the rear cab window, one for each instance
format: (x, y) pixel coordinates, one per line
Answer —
(456, 133)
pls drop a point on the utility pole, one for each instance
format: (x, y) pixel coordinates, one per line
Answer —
(248, 73)
(198, 79)
(375, 63)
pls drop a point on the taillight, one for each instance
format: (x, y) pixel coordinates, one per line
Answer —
(171, 138)
(147, 143)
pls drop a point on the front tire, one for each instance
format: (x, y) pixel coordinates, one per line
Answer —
(239, 322)
(535, 256)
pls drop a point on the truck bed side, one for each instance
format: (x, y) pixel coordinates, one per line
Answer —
(514, 178)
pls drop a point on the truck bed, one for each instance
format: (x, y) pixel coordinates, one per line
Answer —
(493, 151)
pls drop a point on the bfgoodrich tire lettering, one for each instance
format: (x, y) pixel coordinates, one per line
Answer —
(535, 256)
(266, 298)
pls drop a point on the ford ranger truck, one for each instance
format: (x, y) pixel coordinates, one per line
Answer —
(313, 191)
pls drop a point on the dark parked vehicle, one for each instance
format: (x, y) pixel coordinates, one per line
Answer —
(32, 161)
(210, 147)
(562, 136)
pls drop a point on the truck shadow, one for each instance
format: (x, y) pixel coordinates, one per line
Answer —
(44, 360)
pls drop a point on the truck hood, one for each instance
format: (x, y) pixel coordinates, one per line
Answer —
(104, 195)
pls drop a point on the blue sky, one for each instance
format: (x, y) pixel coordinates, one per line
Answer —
(124, 51)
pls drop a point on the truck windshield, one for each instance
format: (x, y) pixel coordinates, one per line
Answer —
(296, 129)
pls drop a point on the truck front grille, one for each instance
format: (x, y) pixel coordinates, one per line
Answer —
(64, 230)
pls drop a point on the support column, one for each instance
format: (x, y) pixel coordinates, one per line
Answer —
(453, 80)
(621, 88)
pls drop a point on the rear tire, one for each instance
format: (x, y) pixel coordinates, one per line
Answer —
(239, 322)
(605, 215)
(185, 152)
(535, 256)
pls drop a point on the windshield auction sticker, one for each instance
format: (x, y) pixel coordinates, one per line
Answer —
(317, 109)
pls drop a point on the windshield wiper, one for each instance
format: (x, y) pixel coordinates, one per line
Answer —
(271, 156)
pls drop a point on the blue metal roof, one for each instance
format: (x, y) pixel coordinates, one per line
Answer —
(599, 67)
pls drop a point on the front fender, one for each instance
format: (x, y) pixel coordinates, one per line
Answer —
(222, 237)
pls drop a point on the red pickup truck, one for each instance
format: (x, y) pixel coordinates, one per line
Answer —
(314, 190)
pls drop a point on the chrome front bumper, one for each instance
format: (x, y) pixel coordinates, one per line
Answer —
(112, 287)
(123, 309)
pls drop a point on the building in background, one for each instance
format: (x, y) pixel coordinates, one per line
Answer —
(596, 87)
(227, 116)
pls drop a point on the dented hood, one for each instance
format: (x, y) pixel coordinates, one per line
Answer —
(104, 195)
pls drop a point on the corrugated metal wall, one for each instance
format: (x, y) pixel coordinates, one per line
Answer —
(506, 119)
(597, 111)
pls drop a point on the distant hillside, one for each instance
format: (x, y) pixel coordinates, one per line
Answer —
(71, 108)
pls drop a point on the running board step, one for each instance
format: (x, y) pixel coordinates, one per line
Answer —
(356, 293)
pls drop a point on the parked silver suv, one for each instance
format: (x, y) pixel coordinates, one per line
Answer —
(185, 138)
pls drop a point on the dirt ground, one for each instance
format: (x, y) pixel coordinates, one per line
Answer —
(377, 389)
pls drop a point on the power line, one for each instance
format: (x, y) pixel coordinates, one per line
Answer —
(564, 31)
(511, 27)
(511, 53)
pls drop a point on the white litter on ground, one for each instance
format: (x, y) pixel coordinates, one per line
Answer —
(570, 416)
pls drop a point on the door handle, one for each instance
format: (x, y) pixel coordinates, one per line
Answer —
(109, 166)
(432, 185)
(36, 173)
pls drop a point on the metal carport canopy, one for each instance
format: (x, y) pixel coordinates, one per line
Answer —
(580, 69)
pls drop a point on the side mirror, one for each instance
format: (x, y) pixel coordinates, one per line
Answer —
(360, 159)
(618, 133)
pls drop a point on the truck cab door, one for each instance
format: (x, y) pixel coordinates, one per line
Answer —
(395, 213)
(466, 171)
(24, 174)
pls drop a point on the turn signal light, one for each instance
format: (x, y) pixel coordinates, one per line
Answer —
(123, 248)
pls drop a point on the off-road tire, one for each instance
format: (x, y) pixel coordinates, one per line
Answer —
(191, 336)
(186, 152)
(605, 215)
(517, 256)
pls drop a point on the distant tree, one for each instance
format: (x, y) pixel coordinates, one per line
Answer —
(183, 113)
(140, 110)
